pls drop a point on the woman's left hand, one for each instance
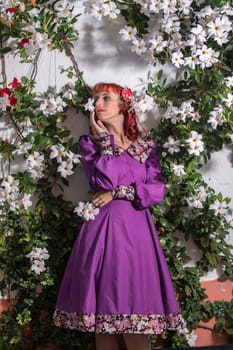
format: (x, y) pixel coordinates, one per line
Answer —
(102, 198)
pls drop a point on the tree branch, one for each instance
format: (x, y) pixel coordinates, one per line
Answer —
(2, 59)
(69, 53)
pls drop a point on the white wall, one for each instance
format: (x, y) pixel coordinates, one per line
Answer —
(102, 56)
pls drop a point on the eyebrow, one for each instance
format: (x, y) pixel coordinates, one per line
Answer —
(102, 92)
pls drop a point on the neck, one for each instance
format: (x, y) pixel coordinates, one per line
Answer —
(118, 133)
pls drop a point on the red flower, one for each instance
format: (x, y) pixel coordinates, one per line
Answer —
(15, 83)
(12, 100)
(23, 42)
(11, 10)
(5, 91)
(126, 94)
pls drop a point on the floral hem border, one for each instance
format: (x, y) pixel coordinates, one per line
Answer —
(122, 323)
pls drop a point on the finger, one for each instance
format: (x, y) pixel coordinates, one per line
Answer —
(92, 118)
(102, 126)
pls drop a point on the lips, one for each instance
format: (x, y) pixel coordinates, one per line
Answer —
(100, 110)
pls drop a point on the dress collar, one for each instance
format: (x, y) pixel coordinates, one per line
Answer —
(139, 149)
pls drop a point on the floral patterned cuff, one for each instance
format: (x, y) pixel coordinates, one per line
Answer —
(105, 141)
(124, 192)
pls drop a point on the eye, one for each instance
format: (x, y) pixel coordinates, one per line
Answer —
(106, 98)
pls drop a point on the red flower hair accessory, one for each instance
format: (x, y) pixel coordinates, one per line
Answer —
(126, 94)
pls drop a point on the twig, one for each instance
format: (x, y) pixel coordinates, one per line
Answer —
(69, 53)
(212, 329)
(35, 66)
(2, 59)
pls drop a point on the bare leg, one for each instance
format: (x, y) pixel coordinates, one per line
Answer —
(137, 342)
(106, 342)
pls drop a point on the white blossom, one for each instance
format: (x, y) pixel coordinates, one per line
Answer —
(10, 185)
(186, 110)
(47, 107)
(196, 145)
(177, 59)
(138, 46)
(65, 168)
(80, 209)
(4, 102)
(90, 212)
(199, 33)
(36, 172)
(170, 25)
(97, 11)
(72, 157)
(155, 6)
(168, 6)
(172, 145)
(207, 56)
(26, 201)
(23, 148)
(178, 169)
(172, 113)
(196, 201)
(59, 104)
(227, 9)
(207, 11)
(191, 61)
(128, 33)
(38, 266)
(89, 106)
(86, 210)
(41, 40)
(228, 100)
(38, 254)
(30, 47)
(190, 337)
(35, 159)
(57, 151)
(64, 8)
(218, 207)
(111, 10)
(203, 194)
(229, 81)
(69, 92)
(146, 103)
(216, 117)
(185, 6)
(157, 43)
(15, 204)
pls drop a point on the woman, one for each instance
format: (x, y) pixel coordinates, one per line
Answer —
(117, 280)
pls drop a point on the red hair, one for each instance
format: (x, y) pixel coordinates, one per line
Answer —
(130, 118)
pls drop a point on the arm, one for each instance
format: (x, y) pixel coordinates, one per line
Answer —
(152, 190)
(98, 162)
(147, 193)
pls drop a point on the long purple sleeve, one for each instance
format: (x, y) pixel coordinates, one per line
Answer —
(152, 190)
(97, 166)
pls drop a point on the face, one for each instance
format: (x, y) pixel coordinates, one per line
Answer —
(107, 105)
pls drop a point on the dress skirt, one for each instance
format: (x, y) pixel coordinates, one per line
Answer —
(117, 279)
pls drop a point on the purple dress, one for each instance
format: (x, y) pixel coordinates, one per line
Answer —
(117, 279)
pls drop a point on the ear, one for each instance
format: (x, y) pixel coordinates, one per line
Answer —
(123, 105)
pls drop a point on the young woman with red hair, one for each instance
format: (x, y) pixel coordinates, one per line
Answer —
(117, 280)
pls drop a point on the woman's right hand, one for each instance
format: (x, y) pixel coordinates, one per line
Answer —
(97, 126)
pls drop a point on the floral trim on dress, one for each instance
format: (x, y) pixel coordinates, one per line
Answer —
(124, 192)
(122, 323)
(106, 144)
(139, 149)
